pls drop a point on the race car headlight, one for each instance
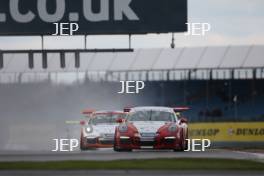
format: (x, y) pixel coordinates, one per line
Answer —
(123, 128)
(89, 129)
(172, 128)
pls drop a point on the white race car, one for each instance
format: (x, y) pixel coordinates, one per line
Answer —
(99, 128)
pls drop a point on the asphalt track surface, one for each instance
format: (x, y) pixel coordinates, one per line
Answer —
(109, 154)
(129, 173)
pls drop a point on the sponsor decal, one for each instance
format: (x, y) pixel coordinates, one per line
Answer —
(204, 132)
(228, 132)
(250, 131)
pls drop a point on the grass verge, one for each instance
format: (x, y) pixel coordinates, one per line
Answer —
(148, 164)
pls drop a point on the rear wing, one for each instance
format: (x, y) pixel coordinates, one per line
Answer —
(88, 112)
(127, 109)
(75, 122)
(180, 109)
(112, 113)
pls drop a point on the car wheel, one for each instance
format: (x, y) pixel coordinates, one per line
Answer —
(82, 147)
(186, 142)
(183, 144)
(117, 149)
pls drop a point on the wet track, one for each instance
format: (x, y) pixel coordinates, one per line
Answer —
(109, 154)
(130, 173)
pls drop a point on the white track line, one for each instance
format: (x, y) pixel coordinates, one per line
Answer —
(258, 156)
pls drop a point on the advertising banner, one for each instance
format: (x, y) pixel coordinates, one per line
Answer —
(37, 17)
(228, 132)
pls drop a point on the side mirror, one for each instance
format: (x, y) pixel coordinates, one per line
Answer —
(183, 120)
(120, 120)
(82, 122)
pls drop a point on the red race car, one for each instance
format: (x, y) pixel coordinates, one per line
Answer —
(152, 127)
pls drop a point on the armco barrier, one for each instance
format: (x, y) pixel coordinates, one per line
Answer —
(228, 132)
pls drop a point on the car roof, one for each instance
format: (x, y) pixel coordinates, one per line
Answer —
(154, 108)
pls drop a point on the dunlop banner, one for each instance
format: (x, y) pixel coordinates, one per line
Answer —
(228, 132)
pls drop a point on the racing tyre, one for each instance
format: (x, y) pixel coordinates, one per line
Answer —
(82, 147)
(186, 142)
(116, 149)
(183, 145)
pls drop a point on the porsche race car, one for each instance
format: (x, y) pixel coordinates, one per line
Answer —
(99, 128)
(152, 127)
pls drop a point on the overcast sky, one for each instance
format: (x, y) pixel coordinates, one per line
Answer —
(234, 22)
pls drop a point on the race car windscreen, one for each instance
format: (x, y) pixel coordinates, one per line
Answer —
(105, 118)
(150, 115)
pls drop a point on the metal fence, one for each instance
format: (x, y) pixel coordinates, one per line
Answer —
(199, 63)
